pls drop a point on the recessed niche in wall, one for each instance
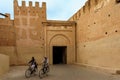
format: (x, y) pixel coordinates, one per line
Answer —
(117, 1)
(96, 2)
(106, 33)
(84, 45)
(116, 31)
(108, 15)
(79, 14)
(83, 9)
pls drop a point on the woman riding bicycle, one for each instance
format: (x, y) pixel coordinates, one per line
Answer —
(45, 64)
(32, 63)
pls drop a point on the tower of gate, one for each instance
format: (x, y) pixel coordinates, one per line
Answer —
(29, 30)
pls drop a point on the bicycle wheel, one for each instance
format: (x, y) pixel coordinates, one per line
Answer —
(48, 69)
(36, 71)
(27, 73)
(41, 74)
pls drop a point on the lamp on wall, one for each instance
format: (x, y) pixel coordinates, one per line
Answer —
(3, 15)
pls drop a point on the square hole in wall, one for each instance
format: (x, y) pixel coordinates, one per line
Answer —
(106, 33)
(117, 1)
(116, 31)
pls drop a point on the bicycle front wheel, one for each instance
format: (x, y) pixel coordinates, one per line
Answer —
(27, 73)
(48, 69)
(41, 74)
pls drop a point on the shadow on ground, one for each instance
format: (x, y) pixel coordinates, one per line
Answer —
(61, 72)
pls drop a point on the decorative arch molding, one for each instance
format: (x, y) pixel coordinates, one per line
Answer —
(60, 36)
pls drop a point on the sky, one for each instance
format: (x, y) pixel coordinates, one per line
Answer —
(56, 9)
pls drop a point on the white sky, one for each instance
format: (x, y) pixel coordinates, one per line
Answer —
(56, 9)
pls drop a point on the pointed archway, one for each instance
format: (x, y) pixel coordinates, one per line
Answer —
(60, 46)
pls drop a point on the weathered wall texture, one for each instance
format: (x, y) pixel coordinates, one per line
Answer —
(93, 41)
(4, 66)
(7, 38)
(60, 33)
(98, 34)
(31, 35)
(29, 31)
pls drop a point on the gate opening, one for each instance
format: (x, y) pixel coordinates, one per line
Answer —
(59, 54)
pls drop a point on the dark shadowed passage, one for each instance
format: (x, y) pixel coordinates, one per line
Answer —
(59, 54)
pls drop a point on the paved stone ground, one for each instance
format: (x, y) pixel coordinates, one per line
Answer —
(61, 72)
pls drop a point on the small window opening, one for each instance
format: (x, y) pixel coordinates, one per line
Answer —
(106, 33)
(108, 15)
(116, 31)
(117, 1)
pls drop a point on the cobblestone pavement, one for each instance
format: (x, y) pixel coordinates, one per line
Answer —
(61, 72)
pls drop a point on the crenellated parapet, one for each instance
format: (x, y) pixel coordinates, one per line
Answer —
(30, 9)
(37, 4)
(90, 4)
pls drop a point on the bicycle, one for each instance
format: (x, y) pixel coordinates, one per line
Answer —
(44, 71)
(30, 71)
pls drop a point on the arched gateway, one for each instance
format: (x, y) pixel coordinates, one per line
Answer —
(60, 46)
(60, 42)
